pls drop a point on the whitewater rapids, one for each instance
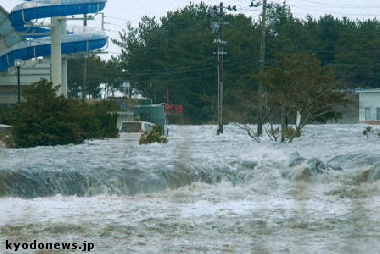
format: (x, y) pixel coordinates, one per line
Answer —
(200, 193)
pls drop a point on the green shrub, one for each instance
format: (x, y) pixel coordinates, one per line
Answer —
(45, 119)
(154, 136)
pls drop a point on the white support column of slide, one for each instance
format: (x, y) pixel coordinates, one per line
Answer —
(58, 27)
(64, 63)
(56, 51)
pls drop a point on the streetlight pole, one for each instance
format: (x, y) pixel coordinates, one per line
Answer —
(18, 65)
(85, 66)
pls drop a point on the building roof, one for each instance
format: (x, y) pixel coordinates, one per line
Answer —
(368, 90)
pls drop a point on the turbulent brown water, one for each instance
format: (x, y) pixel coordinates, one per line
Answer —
(200, 193)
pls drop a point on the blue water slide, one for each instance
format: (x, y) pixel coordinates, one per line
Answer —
(36, 41)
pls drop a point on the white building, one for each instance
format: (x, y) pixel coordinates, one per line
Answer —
(369, 106)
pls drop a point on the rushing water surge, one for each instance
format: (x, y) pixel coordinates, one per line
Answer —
(200, 193)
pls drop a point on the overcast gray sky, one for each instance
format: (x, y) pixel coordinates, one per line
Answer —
(118, 12)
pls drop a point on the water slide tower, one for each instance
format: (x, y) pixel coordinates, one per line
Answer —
(24, 40)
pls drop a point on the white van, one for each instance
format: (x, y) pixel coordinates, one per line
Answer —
(134, 130)
(5, 128)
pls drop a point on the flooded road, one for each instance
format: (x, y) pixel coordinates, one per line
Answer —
(200, 193)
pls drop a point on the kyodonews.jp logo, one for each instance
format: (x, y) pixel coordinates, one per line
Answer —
(85, 246)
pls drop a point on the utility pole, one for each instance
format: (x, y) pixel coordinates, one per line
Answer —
(217, 27)
(220, 71)
(261, 65)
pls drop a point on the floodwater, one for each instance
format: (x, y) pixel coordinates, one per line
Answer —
(200, 193)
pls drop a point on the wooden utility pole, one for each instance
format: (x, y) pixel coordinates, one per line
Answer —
(217, 27)
(262, 65)
(220, 71)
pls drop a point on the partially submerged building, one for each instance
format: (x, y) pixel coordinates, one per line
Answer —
(369, 106)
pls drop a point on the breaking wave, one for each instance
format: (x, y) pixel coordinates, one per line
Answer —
(195, 154)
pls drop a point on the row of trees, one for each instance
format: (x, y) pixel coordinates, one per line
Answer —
(176, 53)
(86, 75)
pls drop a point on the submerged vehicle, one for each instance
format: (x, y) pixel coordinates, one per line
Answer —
(145, 118)
(154, 113)
(134, 130)
(5, 128)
